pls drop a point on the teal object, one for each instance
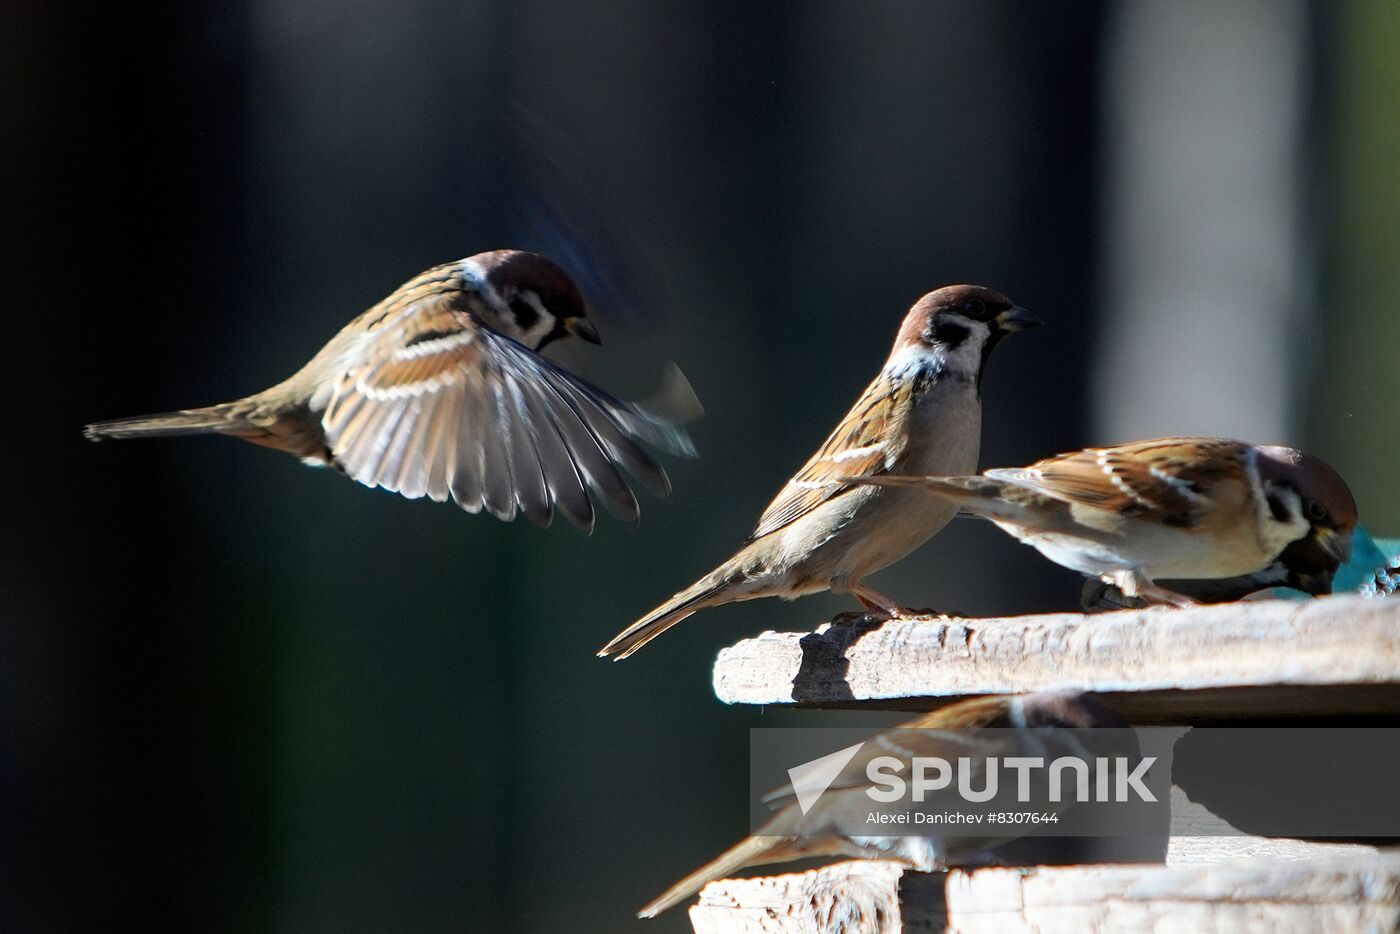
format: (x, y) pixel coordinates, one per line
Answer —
(1373, 570)
(1373, 565)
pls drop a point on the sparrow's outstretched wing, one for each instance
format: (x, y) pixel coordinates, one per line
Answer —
(434, 403)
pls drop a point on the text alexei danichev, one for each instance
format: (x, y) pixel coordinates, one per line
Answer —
(955, 817)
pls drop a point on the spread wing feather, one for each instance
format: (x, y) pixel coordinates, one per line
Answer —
(436, 405)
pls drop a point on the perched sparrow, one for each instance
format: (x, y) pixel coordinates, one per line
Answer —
(824, 829)
(439, 390)
(1169, 508)
(922, 414)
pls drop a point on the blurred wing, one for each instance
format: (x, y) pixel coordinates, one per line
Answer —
(904, 744)
(435, 404)
(1180, 481)
(868, 439)
(934, 734)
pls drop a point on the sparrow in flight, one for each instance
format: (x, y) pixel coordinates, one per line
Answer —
(440, 391)
(922, 414)
(1140, 514)
(824, 828)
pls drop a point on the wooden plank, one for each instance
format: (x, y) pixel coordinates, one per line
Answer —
(1200, 664)
(865, 896)
(1200, 838)
(1354, 894)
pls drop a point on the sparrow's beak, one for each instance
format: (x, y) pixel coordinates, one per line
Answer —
(1334, 543)
(1016, 318)
(583, 329)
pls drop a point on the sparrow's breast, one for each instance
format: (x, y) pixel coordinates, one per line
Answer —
(1154, 548)
(945, 432)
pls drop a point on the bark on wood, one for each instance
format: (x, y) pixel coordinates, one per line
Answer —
(1201, 664)
(1357, 894)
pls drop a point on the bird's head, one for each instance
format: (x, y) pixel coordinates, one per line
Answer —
(959, 326)
(1305, 493)
(535, 302)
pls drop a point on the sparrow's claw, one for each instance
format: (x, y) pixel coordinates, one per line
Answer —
(946, 616)
(1135, 584)
(876, 602)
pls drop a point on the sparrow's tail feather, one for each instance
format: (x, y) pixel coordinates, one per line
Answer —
(750, 851)
(185, 422)
(695, 597)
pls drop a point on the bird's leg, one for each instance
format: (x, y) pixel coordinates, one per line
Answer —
(1134, 583)
(876, 602)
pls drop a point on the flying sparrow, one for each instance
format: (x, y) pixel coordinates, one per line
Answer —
(1196, 509)
(440, 390)
(824, 829)
(922, 414)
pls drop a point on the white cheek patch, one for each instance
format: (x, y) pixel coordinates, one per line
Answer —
(967, 356)
(1275, 535)
(544, 324)
(962, 360)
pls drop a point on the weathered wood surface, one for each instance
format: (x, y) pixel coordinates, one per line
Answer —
(843, 898)
(1200, 664)
(1200, 838)
(1335, 895)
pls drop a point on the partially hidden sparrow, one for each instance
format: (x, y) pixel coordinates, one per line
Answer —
(922, 414)
(823, 831)
(440, 391)
(1146, 516)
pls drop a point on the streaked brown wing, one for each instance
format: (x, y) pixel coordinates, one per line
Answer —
(435, 404)
(1167, 478)
(868, 439)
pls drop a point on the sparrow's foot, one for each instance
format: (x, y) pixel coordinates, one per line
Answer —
(1135, 584)
(876, 602)
(945, 615)
(1160, 596)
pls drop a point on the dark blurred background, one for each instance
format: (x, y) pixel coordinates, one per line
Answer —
(241, 695)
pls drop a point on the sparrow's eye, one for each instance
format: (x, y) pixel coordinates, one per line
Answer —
(1316, 511)
(975, 307)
